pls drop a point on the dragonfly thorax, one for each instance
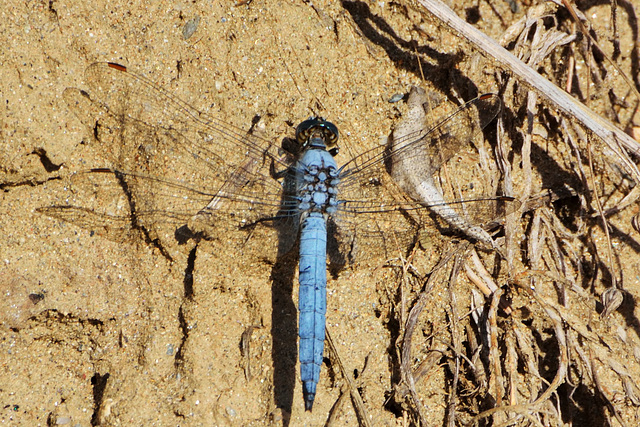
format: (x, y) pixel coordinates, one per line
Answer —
(317, 182)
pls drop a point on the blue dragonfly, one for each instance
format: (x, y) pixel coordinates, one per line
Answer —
(198, 175)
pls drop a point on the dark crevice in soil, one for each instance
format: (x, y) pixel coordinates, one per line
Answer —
(48, 165)
(188, 273)
(136, 224)
(188, 298)
(99, 383)
(29, 182)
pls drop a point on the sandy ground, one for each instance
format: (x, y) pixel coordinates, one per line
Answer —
(97, 331)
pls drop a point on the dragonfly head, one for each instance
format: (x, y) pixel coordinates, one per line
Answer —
(318, 133)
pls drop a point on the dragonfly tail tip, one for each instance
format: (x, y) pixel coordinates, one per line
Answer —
(308, 402)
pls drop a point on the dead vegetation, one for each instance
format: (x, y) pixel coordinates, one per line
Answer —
(554, 338)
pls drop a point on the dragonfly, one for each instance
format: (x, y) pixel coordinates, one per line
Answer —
(184, 169)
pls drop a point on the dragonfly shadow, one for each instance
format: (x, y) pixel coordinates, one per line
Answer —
(284, 330)
(284, 322)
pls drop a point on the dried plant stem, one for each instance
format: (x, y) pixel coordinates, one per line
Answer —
(586, 32)
(406, 369)
(496, 381)
(605, 224)
(358, 404)
(556, 97)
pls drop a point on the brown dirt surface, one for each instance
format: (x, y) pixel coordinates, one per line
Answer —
(104, 325)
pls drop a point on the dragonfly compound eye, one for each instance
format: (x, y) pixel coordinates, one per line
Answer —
(328, 130)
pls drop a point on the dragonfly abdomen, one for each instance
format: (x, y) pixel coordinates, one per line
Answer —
(312, 301)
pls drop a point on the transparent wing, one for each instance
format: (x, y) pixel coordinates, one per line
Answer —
(133, 97)
(373, 204)
(173, 163)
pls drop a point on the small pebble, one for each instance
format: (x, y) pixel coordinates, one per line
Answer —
(190, 27)
(395, 98)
